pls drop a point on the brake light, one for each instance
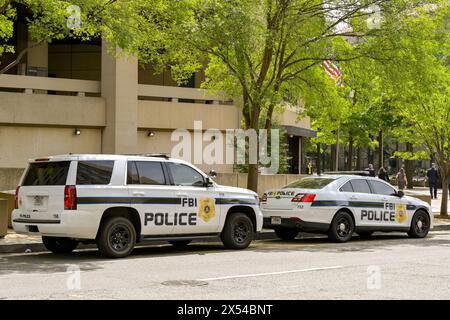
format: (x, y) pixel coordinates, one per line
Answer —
(263, 198)
(307, 197)
(16, 198)
(70, 198)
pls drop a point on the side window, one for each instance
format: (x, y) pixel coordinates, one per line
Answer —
(145, 172)
(360, 186)
(185, 176)
(94, 172)
(382, 188)
(347, 187)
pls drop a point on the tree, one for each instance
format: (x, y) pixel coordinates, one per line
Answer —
(269, 52)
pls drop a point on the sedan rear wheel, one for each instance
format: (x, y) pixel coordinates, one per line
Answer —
(342, 227)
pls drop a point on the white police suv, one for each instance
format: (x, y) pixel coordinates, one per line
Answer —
(341, 205)
(117, 201)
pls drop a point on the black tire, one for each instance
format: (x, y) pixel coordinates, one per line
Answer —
(341, 228)
(365, 234)
(59, 245)
(116, 238)
(286, 233)
(420, 225)
(238, 231)
(180, 243)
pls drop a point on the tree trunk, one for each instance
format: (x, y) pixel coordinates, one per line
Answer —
(337, 150)
(444, 201)
(358, 159)
(350, 154)
(253, 169)
(318, 159)
(380, 149)
(409, 167)
(252, 177)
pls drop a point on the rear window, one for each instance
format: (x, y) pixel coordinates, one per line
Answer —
(47, 174)
(94, 172)
(310, 183)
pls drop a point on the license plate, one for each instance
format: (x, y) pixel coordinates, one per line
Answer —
(38, 201)
(275, 220)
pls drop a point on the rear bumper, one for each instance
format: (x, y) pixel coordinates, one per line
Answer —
(72, 224)
(297, 223)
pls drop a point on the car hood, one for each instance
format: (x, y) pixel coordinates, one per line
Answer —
(416, 201)
(235, 190)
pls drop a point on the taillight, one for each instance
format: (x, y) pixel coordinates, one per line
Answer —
(307, 197)
(70, 198)
(16, 198)
(263, 198)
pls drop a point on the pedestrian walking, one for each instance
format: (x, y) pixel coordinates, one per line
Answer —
(402, 181)
(433, 178)
(383, 175)
(371, 170)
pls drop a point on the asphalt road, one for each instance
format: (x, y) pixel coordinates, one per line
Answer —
(385, 267)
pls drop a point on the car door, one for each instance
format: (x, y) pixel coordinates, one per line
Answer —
(197, 211)
(362, 202)
(394, 212)
(151, 195)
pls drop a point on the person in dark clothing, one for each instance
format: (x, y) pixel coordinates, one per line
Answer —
(433, 177)
(371, 170)
(382, 174)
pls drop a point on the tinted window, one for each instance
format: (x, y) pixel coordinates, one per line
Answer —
(360, 186)
(310, 183)
(47, 174)
(382, 188)
(185, 176)
(146, 172)
(347, 187)
(132, 174)
(94, 172)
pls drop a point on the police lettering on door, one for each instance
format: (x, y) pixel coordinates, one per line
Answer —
(390, 213)
(183, 218)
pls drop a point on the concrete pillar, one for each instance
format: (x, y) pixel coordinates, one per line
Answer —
(119, 85)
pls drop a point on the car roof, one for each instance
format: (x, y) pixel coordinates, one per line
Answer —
(84, 156)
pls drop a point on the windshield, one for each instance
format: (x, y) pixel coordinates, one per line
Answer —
(310, 183)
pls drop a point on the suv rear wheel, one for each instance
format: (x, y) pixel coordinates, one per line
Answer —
(286, 233)
(59, 244)
(237, 232)
(116, 238)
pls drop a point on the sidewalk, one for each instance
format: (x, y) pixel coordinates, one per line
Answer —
(19, 243)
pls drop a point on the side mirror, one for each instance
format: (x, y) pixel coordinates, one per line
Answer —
(400, 194)
(213, 173)
(208, 182)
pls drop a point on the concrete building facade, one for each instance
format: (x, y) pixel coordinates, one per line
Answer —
(72, 97)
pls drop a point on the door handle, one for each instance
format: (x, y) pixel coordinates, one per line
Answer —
(180, 194)
(353, 198)
(385, 199)
(138, 193)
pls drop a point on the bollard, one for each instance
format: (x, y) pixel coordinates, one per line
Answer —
(3, 218)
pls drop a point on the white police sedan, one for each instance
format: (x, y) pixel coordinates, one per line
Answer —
(341, 205)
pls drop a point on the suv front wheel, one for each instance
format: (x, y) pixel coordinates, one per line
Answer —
(237, 232)
(116, 238)
(59, 244)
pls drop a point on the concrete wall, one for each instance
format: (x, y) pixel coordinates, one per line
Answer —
(51, 110)
(18, 144)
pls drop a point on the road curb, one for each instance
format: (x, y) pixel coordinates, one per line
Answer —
(39, 247)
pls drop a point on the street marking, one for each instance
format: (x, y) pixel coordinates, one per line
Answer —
(269, 273)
